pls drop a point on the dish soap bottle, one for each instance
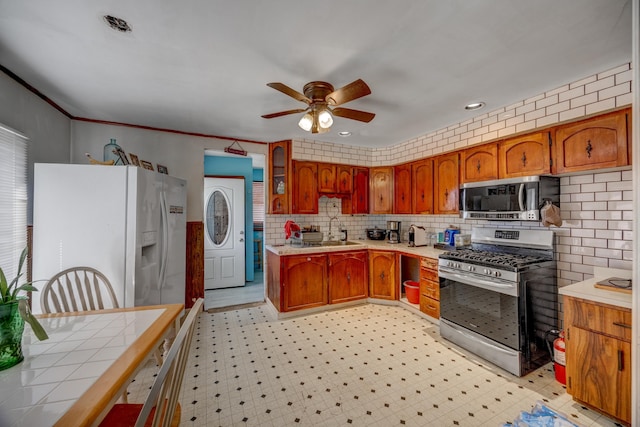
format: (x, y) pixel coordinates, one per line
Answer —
(111, 153)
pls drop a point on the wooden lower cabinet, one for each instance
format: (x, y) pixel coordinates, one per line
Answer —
(348, 274)
(429, 287)
(598, 351)
(296, 282)
(383, 282)
(304, 282)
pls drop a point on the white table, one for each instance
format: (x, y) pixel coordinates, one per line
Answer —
(75, 376)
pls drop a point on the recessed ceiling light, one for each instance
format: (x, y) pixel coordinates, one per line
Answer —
(344, 134)
(474, 106)
(117, 24)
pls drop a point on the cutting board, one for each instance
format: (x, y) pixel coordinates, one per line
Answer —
(605, 284)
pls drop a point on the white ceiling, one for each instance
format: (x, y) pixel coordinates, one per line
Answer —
(202, 65)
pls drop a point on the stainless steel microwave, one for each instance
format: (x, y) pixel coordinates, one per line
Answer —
(511, 199)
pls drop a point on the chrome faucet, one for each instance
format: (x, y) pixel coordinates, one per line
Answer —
(330, 236)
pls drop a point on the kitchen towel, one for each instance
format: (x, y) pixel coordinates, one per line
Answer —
(550, 214)
(291, 229)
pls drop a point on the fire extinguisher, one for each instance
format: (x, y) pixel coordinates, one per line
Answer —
(560, 359)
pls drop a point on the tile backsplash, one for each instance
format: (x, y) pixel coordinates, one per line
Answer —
(596, 208)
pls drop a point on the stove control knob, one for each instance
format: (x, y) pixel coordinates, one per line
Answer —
(487, 271)
(471, 268)
(497, 274)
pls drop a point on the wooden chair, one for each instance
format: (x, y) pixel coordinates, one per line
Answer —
(161, 408)
(77, 289)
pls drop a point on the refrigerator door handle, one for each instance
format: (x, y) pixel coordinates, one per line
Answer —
(165, 236)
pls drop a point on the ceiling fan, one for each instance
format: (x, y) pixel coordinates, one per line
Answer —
(322, 104)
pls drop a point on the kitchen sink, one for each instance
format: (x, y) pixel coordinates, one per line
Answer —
(338, 243)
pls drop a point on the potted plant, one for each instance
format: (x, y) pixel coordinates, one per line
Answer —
(14, 311)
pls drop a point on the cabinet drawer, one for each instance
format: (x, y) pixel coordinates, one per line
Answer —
(430, 289)
(615, 322)
(430, 306)
(429, 263)
(428, 275)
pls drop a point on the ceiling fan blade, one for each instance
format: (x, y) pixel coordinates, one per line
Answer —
(288, 91)
(284, 113)
(348, 113)
(348, 93)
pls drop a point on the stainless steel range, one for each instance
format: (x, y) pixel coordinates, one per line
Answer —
(500, 297)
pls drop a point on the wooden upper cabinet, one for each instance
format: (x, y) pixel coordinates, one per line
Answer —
(279, 181)
(358, 203)
(446, 185)
(479, 163)
(525, 155)
(326, 178)
(305, 188)
(402, 189)
(422, 177)
(600, 142)
(381, 190)
(344, 183)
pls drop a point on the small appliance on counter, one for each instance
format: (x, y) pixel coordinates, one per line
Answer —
(418, 236)
(393, 231)
(376, 233)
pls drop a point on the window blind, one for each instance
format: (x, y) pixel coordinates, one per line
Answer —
(258, 202)
(13, 200)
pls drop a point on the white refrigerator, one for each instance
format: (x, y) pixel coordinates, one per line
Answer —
(125, 221)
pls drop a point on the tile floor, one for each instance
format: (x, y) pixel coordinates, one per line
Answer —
(367, 365)
(250, 293)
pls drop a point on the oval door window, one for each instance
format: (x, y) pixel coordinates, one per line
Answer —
(218, 217)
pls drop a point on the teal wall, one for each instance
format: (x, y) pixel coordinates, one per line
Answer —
(236, 166)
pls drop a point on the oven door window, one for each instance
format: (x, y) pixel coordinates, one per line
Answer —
(485, 312)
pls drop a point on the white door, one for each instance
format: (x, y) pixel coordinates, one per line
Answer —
(224, 247)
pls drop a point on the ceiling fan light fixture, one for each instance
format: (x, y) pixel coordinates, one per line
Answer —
(474, 106)
(306, 122)
(325, 120)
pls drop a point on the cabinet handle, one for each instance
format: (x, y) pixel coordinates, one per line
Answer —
(589, 148)
(620, 360)
(478, 166)
(402, 197)
(446, 194)
(622, 325)
(348, 277)
(308, 259)
(382, 275)
(422, 196)
(524, 158)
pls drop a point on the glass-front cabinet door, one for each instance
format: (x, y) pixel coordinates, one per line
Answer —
(279, 166)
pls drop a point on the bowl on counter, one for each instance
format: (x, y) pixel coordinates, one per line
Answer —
(376, 233)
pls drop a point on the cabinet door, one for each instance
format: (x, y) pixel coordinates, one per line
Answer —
(402, 189)
(343, 177)
(381, 189)
(480, 163)
(304, 282)
(445, 184)
(348, 276)
(525, 155)
(279, 181)
(305, 188)
(422, 200)
(599, 371)
(326, 178)
(358, 203)
(601, 142)
(382, 275)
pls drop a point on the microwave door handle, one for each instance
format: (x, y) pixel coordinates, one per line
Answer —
(521, 197)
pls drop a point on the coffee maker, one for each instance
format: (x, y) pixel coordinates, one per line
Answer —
(393, 231)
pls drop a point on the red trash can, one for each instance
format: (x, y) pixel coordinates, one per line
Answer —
(412, 290)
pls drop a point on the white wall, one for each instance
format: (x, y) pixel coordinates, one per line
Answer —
(182, 154)
(48, 129)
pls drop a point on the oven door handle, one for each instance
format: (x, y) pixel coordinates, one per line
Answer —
(483, 342)
(478, 281)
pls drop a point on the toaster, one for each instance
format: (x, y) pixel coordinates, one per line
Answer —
(418, 236)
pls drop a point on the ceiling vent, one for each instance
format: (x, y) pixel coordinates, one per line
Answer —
(117, 23)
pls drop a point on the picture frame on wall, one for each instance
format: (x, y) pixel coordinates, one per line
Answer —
(134, 159)
(146, 165)
(122, 156)
(162, 169)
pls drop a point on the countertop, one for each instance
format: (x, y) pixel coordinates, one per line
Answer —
(354, 245)
(586, 290)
